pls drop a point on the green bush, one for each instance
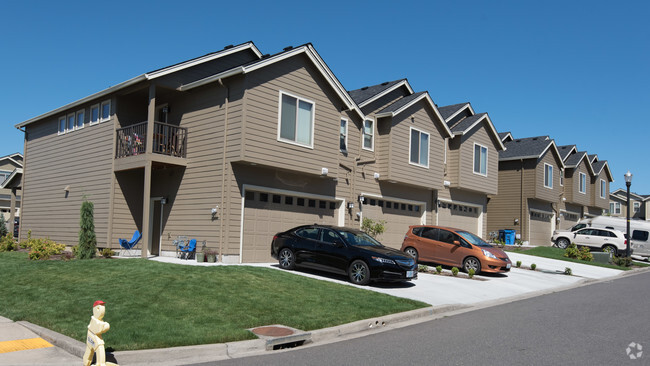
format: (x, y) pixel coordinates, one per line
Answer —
(568, 271)
(518, 264)
(87, 237)
(439, 269)
(3, 226)
(42, 249)
(26, 243)
(471, 273)
(454, 271)
(107, 252)
(585, 254)
(572, 251)
(622, 261)
(372, 228)
(7, 243)
(533, 266)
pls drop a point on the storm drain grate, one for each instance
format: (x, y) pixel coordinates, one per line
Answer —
(281, 337)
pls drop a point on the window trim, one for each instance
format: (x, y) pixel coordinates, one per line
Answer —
(90, 114)
(420, 132)
(474, 160)
(101, 107)
(561, 177)
(603, 188)
(65, 125)
(551, 175)
(617, 208)
(76, 119)
(636, 206)
(580, 180)
(345, 134)
(363, 135)
(67, 122)
(313, 119)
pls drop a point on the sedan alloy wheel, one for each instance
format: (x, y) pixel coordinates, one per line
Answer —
(359, 273)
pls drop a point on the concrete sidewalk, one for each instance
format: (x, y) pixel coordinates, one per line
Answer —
(448, 296)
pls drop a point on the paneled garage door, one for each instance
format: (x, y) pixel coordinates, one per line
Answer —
(569, 219)
(541, 228)
(266, 214)
(459, 216)
(398, 216)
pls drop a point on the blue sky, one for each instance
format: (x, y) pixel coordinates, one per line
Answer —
(577, 71)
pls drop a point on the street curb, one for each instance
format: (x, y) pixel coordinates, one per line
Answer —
(70, 345)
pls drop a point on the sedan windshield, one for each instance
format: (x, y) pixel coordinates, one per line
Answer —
(473, 239)
(360, 239)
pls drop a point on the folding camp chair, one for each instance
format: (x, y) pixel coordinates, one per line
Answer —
(189, 250)
(129, 246)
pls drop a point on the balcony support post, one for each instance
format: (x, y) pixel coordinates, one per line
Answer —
(151, 117)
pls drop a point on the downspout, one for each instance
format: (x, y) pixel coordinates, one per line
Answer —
(22, 184)
(223, 168)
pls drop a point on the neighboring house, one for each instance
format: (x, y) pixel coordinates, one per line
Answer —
(10, 173)
(639, 204)
(398, 168)
(471, 169)
(529, 189)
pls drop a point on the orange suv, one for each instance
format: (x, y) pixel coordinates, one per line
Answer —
(454, 247)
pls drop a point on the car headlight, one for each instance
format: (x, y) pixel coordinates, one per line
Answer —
(488, 254)
(384, 260)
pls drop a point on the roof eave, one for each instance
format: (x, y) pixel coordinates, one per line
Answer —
(386, 91)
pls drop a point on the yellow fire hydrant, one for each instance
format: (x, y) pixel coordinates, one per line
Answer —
(94, 341)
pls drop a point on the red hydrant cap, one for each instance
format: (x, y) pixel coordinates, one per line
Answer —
(98, 302)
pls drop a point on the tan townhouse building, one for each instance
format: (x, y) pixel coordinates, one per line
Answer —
(639, 207)
(11, 168)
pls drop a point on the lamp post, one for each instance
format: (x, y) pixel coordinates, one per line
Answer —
(628, 183)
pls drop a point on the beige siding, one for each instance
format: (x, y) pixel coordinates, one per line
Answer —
(515, 180)
(596, 199)
(467, 179)
(542, 192)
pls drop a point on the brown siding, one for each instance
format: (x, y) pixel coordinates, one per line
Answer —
(504, 208)
(542, 192)
(467, 179)
(596, 200)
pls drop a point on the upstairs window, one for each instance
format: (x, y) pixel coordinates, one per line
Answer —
(480, 159)
(548, 176)
(419, 148)
(636, 206)
(369, 135)
(343, 135)
(62, 124)
(603, 188)
(583, 183)
(105, 111)
(94, 114)
(71, 122)
(81, 115)
(296, 120)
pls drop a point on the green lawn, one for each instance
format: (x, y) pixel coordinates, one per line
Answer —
(153, 305)
(557, 253)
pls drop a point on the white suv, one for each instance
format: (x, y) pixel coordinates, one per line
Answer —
(605, 239)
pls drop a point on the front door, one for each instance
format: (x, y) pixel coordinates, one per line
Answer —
(155, 223)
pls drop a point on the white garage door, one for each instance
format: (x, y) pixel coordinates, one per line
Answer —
(541, 228)
(460, 216)
(398, 216)
(569, 219)
(266, 214)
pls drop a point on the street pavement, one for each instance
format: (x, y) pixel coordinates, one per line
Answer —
(445, 294)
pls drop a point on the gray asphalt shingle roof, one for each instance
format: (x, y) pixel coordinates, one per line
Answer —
(504, 134)
(524, 148)
(598, 166)
(565, 150)
(574, 159)
(367, 92)
(465, 123)
(401, 103)
(592, 157)
(448, 110)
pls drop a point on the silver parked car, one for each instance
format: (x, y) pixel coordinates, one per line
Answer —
(604, 239)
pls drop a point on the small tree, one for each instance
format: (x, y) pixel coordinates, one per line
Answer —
(372, 227)
(87, 237)
(3, 226)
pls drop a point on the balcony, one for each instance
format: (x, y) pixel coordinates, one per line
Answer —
(168, 140)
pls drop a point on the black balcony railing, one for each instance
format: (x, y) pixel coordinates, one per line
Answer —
(167, 140)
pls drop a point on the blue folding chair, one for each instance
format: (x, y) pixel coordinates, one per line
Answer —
(129, 246)
(188, 251)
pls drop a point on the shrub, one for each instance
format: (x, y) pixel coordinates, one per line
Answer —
(67, 256)
(107, 252)
(572, 251)
(26, 243)
(471, 273)
(41, 249)
(372, 227)
(422, 268)
(518, 264)
(87, 238)
(7, 243)
(533, 266)
(439, 269)
(585, 254)
(454, 271)
(3, 226)
(622, 261)
(567, 271)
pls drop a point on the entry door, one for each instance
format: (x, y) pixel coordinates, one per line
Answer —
(155, 225)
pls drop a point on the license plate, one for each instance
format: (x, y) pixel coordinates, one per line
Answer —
(508, 266)
(410, 274)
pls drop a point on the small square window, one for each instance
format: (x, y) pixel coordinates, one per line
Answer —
(288, 200)
(277, 198)
(264, 197)
(311, 203)
(388, 204)
(332, 205)
(380, 203)
(403, 207)
(322, 204)
(410, 207)
(71, 122)
(105, 111)
(80, 119)
(250, 195)
(373, 202)
(62, 123)
(417, 208)
(300, 201)
(94, 114)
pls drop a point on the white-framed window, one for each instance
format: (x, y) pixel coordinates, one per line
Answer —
(603, 188)
(343, 135)
(636, 206)
(480, 159)
(296, 120)
(94, 114)
(419, 147)
(4, 174)
(80, 119)
(548, 175)
(368, 135)
(616, 208)
(561, 177)
(583, 183)
(62, 124)
(105, 111)
(71, 122)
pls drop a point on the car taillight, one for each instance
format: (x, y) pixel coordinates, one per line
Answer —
(625, 242)
(275, 237)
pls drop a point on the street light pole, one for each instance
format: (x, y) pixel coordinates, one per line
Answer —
(628, 183)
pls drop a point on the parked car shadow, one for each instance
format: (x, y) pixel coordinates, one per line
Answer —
(342, 278)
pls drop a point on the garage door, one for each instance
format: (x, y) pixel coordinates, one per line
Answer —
(460, 216)
(266, 214)
(569, 219)
(398, 216)
(541, 228)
